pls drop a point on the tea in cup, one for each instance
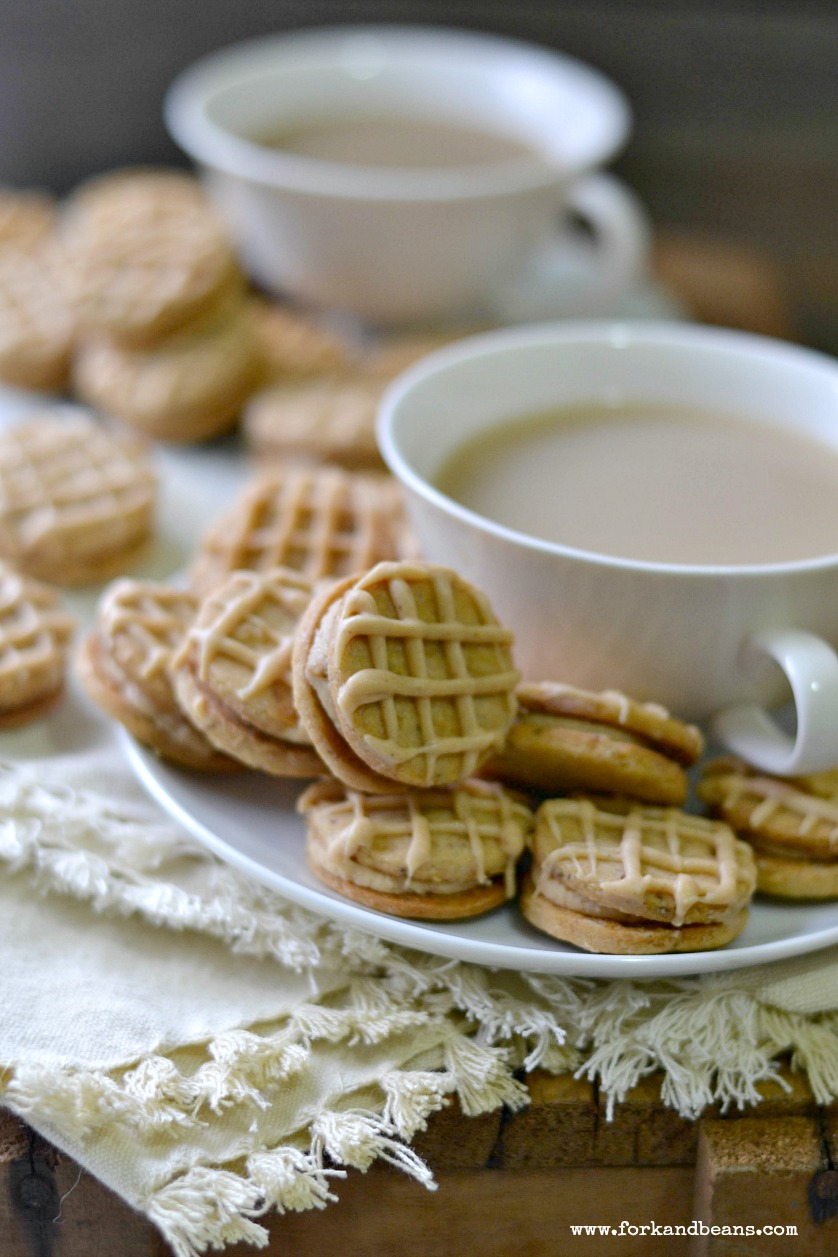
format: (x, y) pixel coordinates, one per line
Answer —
(412, 175)
(651, 508)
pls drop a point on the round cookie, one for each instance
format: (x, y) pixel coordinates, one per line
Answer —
(36, 327)
(413, 672)
(604, 936)
(34, 639)
(792, 824)
(232, 671)
(636, 878)
(567, 739)
(188, 387)
(771, 812)
(324, 420)
(294, 346)
(428, 855)
(144, 255)
(320, 521)
(785, 877)
(124, 668)
(77, 499)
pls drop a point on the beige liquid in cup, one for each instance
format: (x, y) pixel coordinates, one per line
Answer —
(656, 484)
(377, 140)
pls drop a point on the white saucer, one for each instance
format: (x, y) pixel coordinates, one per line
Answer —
(249, 821)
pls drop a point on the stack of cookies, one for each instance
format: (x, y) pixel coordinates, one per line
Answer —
(391, 687)
(165, 333)
(308, 643)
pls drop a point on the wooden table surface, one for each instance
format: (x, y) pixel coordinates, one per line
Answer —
(514, 1183)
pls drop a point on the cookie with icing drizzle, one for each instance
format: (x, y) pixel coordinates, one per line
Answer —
(231, 673)
(636, 879)
(791, 823)
(35, 631)
(124, 668)
(430, 854)
(405, 674)
(77, 498)
(319, 521)
(565, 739)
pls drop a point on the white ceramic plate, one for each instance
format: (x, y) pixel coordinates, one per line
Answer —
(249, 821)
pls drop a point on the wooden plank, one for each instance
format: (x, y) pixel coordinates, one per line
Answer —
(494, 1213)
(757, 1172)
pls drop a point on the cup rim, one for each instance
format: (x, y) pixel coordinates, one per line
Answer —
(210, 143)
(620, 334)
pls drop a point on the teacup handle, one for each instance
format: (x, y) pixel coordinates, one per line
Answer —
(567, 277)
(811, 668)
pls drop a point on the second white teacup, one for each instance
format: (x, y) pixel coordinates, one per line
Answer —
(312, 142)
(714, 638)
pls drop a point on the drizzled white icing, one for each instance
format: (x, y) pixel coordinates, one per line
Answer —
(439, 656)
(624, 858)
(779, 808)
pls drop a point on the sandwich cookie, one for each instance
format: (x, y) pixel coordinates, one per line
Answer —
(403, 674)
(791, 823)
(567, 739)
(124, 668)
(635, 879)
(232, 676)
(429, 854)
(35, 632)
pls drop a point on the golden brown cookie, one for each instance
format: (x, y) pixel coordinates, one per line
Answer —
(319, 521)
(77, 499)
(145, 254)
(404, 674)
(188, 387)
(34, 638)
(232, 672)
(792, 824)
(124, 668)
(27, 217)
(430, 854)
(324, 420)
(36, 327)
(567, 739)
(295, 346)
(636, 879)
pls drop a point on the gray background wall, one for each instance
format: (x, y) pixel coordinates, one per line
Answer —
(736, 103)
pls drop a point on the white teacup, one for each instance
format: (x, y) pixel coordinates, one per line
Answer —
(411, 244)
(725, 644)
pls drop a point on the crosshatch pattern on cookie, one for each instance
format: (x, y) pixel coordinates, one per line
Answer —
(34, 632)
(250, 621)
(420, 825)
(424, 669)
(150, 619)
(318, 521)
(72, 482)
(641, 852)
(774, 810)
